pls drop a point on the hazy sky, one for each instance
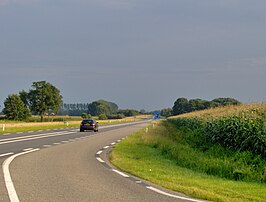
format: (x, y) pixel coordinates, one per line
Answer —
(141, 54)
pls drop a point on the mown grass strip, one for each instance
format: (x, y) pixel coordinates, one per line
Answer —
(138, 155)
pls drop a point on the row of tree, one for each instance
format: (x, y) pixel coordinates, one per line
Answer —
(97, 108)
(183, 105)
(43, 98)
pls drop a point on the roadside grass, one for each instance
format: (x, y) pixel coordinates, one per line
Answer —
(142, 154)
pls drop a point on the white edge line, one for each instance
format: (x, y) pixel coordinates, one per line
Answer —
(100, 160)
(113, 143)
(106, 147)
(171, 195)
(7, 154)
(7, 177)
(120, 173)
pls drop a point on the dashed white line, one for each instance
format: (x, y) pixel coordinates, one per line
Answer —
(120, 173)
(28, 149)
(6, 154)
(100, 160)
(113, 143)
(57, 143)
(99, 152)
(65, 141)
(106, 147)
(171, 195)
(7, 134)
(47, 145)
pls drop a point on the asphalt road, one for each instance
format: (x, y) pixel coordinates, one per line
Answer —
(72, 166)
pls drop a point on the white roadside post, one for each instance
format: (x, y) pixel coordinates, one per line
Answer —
(4, 127)
(147, 129)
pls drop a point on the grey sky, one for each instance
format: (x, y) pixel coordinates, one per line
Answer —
(141, 54)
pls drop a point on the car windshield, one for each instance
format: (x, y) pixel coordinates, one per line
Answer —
(87, 121)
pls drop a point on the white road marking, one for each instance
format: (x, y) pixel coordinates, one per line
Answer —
(33, 137)
(19, 132)
(28, 149)
(120, 173)
(7, 177)
(138, 182)
(30, 131)
(171, 195)
(57, 143)
(47, 145)
(99, 152)
(65, 141)
(106, 147)
(6, 154)
(100, 160)
(7, 134)
(113, 143)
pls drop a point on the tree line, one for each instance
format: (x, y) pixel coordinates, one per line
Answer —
(100, 108)
(183, 105)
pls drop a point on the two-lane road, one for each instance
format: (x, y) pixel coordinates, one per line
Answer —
(67, 168)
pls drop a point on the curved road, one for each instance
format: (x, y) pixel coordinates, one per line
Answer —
(68, 170)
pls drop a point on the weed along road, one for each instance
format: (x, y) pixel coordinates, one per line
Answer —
(67, 165)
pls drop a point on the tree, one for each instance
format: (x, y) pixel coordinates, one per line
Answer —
(181, 106)
(102, 107)
(198, 104)
(226, 101)
(166, 112)
(24, 96)
(44, 97)
(15, 109)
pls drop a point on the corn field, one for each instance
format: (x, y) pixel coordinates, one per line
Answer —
(241, 131)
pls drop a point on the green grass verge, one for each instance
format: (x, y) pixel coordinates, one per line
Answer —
(138, 156)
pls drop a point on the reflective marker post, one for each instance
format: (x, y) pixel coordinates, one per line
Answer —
(4, 127)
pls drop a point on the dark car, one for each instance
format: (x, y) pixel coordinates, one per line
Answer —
(89, 124)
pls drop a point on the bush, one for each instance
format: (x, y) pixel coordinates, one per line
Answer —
(84, 115)
(116, 116)
(102, 117)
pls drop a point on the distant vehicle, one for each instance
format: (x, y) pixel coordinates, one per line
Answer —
(89, 124)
